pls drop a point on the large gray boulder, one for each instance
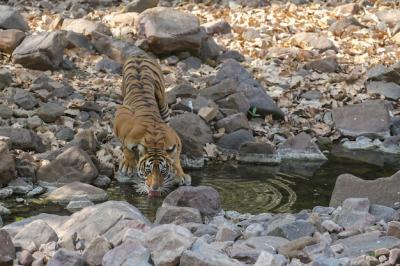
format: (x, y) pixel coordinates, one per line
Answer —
(383, 191)
(370, 118)
(23, 139)
(10, 18)
(170, 31)
(74, 164)
(33, 235)
(43, 51)
(301, 147)
(77, 191)
(129, 253)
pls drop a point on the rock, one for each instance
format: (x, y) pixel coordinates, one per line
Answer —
(384, 213)
(253, 230)
(23, 139)
(7, 168)
(233, 123)
(351, 186)
(355, 214)
(102, 181)
(78, 40)
(193, 132)
(84, 26)
(208, 113)
(307, 40)
(205, 199)
(294, 248)
(347, 9)
(110, 219)
(74, 164)
(189, 63)
(95, 251)
(25, 99)
(117, 50)
(76, 191)
(364, 260)
(389, 16)
(49, 112)
(20, 186)
(25, 258)
(33, 235)
(234, 140)
(324, 261)
(268, 259)
(10, 18)
(383, 73)
(344, 25)
(109, 66)
(217, 27)
(231, 54)
(66, 257)
(227, 233)
(86, 140)
(43, 51)
(252, 89)
(209, 50)
(170, 31)
(394, 256)
(36, 192)
(5, 193)
(129, 253)
(331, 226)
(357, 120)
(325, 65)
(259, 153)
(77, 205)
(236, 101)
(202, 253)
(34, 122)
(10, 39)
(390, 90)
(6, 78)
(364, 243)
(177, 215)
(293, 230)
(167, 243)
(7, 249)
(394, 229)
(301, 147)
(220, 90)
(139, 5)
(65, 134)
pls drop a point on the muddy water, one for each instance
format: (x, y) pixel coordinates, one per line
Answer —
(289, 187)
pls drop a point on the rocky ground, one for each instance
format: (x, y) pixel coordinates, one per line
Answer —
(253, 81)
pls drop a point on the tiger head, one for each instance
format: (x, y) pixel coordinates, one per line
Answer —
(157, 153)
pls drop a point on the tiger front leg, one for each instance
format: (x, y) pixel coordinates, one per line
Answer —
(180, 177)
(128, 162)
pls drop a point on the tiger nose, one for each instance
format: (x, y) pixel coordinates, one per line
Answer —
(155, 187)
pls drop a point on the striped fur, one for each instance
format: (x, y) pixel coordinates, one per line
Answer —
(150, 146)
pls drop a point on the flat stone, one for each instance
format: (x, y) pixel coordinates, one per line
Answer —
(74, 164)
(10, 18)
(307, 40)
(167, 243)
(202, 253)
(6, 78)
(177, 215)
(140, 5)
(295, 247)
(366, 119)
(10, 39)
(344, 25)
(76, 191)
(109, 66)
(7, 249)
(95, 251)
(355, 214)
(301, 147)
(365, 243)
(268, 259)
(325, 65)
(77, 205)
(43, 51)
(25, 99)
(348, 186)
(294, 230)
(258, 153)
(33, 235)
(217, 27)
(233, 123)
(66, 257)
(208, 113)
(236, 101)
(220, 90)
(65, 134)
(84, 26)
(205, 199)
(390, 90)
(227, 233)
(384, 213)
(20, 186)
(389, 16)
(253, 230)
(169, 31)
(49, 112)
(129, 253)
(234, 140)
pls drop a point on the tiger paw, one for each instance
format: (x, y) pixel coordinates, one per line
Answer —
(184, 180)
(126, 167)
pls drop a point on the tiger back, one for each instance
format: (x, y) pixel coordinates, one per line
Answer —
(150, 146)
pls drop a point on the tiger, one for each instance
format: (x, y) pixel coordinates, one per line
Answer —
(150, 146)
